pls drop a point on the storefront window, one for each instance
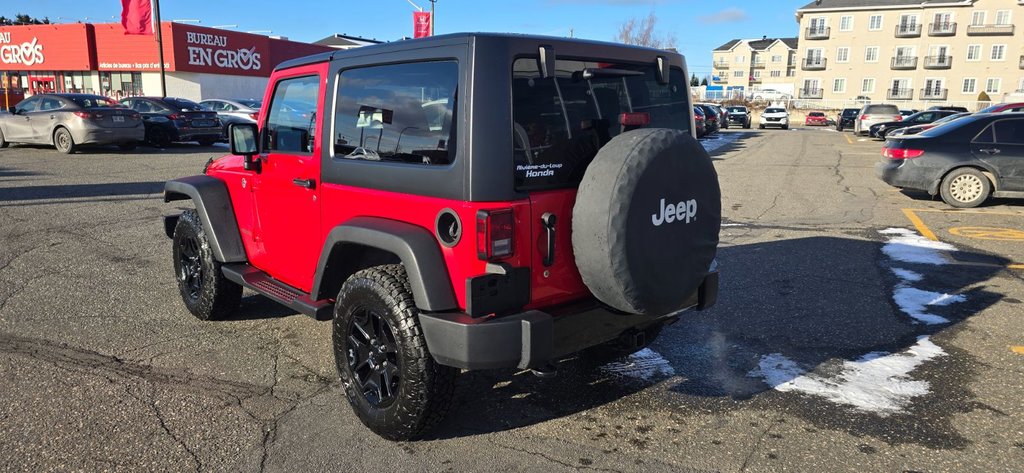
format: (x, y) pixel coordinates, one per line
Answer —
(121, 84)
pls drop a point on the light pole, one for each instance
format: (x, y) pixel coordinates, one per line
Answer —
(432, 2)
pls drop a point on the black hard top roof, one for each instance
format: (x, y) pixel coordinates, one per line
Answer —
(451, 39)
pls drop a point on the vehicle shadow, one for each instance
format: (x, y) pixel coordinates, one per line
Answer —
(219, 149)
(73, 191)
(8, 173)
(732, 143)
(923, 196)
(818, 301)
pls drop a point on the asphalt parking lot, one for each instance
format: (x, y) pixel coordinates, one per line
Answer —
(858, 328)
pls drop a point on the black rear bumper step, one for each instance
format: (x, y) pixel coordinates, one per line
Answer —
(278, 291)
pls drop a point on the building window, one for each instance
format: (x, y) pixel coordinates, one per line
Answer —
(908, 23)
(757, 74)
(868, 86)
(978, 18)
(875, 23)
(839, 86)
(992, 85)
(871, 54)
(737, 73)
(846, 23)
(776, 73)
(970, 86)
(998, 52)
(740, 59)
(843, 55)
(974, 52)
(777, 58)
(1003, 17)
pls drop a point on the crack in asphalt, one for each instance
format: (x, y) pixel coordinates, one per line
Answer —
(155, 405)
(757, 444)
(549, 458)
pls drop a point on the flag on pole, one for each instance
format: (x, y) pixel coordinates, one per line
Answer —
(421, 24)
(137, 16)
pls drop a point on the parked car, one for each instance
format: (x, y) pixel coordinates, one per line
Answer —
(862, 99)
(415, 237)
(69, 121)
(907, 112)
(700, 122)
(738, 115)
(816, 119)
(234, 111)
(913, 130)
(949, 108)
(171, 119)
(879, 130)
(875, 113)
(965, 161)
(1003, 108)
(774, 116)
(846, 118)
(768, 95)
(723, 117)
(711, 119)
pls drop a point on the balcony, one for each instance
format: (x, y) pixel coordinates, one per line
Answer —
(942, 29)
(758, 64)
(909, 30)
(904, 63)
(934, 94)
(1021, 65)
(813, 64)
(990, 30)
(720, 80)
(821, 32)
(899, 94)
(755, 80)
(722, 65)
(812, 93)
(938, 62)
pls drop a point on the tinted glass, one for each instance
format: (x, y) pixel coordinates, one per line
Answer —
(291, 121)
(560, 122)
(850, 112)
(215, 105)
(184, 105)
(737, 109)
(949, 127)
(1010, 131)
(816, 114)
(28, 105)
(882, 110)
(93, 101)
(256, 104)
(50, 103)
(400, 113)
(775, 110)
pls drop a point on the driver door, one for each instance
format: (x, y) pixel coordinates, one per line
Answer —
(19, 125)
(286, 193)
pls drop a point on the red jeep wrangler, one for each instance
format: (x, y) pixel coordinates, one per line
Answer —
(592, 212)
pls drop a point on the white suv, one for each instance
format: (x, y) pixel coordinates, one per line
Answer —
(768, 94)
(774, 116)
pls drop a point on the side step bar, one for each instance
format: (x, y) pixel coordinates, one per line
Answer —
(277, 291)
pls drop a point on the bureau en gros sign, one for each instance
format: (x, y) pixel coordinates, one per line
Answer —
(212, 50)
(28, 53)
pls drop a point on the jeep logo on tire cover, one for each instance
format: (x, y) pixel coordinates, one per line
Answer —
(684, 211)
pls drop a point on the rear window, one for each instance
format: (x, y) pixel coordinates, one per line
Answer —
(816, 114)
(881, 110)
(737, 109)
(255, 104)
(560, 122)
(851, 112)
(94, 101)
(184, 105)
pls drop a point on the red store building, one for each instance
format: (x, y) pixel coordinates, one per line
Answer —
(200, 62)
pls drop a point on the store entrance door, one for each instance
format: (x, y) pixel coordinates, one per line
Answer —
(41, 85)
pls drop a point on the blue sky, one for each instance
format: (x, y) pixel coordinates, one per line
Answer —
(699, 25)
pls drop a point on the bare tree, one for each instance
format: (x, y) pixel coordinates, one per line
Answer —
(640, 32)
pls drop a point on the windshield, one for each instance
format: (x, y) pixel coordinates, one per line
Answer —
(737, 109)
(950, 126)
(851, 112)
(949, 118)
(560, 122)
(255, 104)
(184, 105)
(93, 101)
(775, 110)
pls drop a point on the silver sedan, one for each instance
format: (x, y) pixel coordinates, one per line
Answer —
(68, 121)
(234, 111)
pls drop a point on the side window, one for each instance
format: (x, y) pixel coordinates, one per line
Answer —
(401, 112)
(226, 107)
(1010, 131)
(29, 105)
(214, 105)
(986, 136)
(49, 103)
(292, 116)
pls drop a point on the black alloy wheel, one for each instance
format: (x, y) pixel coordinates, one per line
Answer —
(190, 272)
(373, 357)
(207, 294)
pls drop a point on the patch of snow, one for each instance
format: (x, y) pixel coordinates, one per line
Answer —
(907, 275)
(713, 143)
(877, 382)
(734, 224)
(915, 302)
(909, 247)
(644, 365)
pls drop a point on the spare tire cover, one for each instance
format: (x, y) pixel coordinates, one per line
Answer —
(646, 220)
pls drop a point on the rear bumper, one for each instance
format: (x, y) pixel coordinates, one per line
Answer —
(194, 134)
(533, 338)
(100, 136)
(906, 174)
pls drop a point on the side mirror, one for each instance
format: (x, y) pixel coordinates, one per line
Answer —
(242, 138)
(12, 110)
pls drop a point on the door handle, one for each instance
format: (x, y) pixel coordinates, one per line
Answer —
(991, 151)
(548, 219)
(307, 183)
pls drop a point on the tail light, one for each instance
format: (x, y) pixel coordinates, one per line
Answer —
(863, 117)
(494, 233)
(255, 116)
(135, 116)
(899, 118)
(176, 116)
(635, 119)
(898, 153)
(81, 114)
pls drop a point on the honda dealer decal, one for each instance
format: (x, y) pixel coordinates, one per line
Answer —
(28, 53)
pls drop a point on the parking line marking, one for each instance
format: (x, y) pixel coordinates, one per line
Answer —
(1017, 349)
(919, 224)
(848, 140)
(1015, 266)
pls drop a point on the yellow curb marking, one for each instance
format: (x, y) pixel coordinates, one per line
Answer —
(1017, 349)
(919, 224)
(988, 233)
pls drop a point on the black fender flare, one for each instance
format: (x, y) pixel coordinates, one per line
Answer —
(415, 246)
(213, 203)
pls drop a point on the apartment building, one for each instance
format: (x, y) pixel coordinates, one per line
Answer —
(912, 52)
(742, 65)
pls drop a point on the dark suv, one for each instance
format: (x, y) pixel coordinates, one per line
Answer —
(468, 201)
(846, 118)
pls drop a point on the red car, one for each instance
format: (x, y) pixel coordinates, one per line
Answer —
(816, 119)
(463, 202)
(1004, 107)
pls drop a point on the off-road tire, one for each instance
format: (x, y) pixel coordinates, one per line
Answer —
(127, 146)
(208, 295)
(964, 188)
(209, 142)
(3, 142)
(424, 391)
(63, 141)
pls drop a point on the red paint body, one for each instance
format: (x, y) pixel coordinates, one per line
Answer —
(284, 226)
(816, 120)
